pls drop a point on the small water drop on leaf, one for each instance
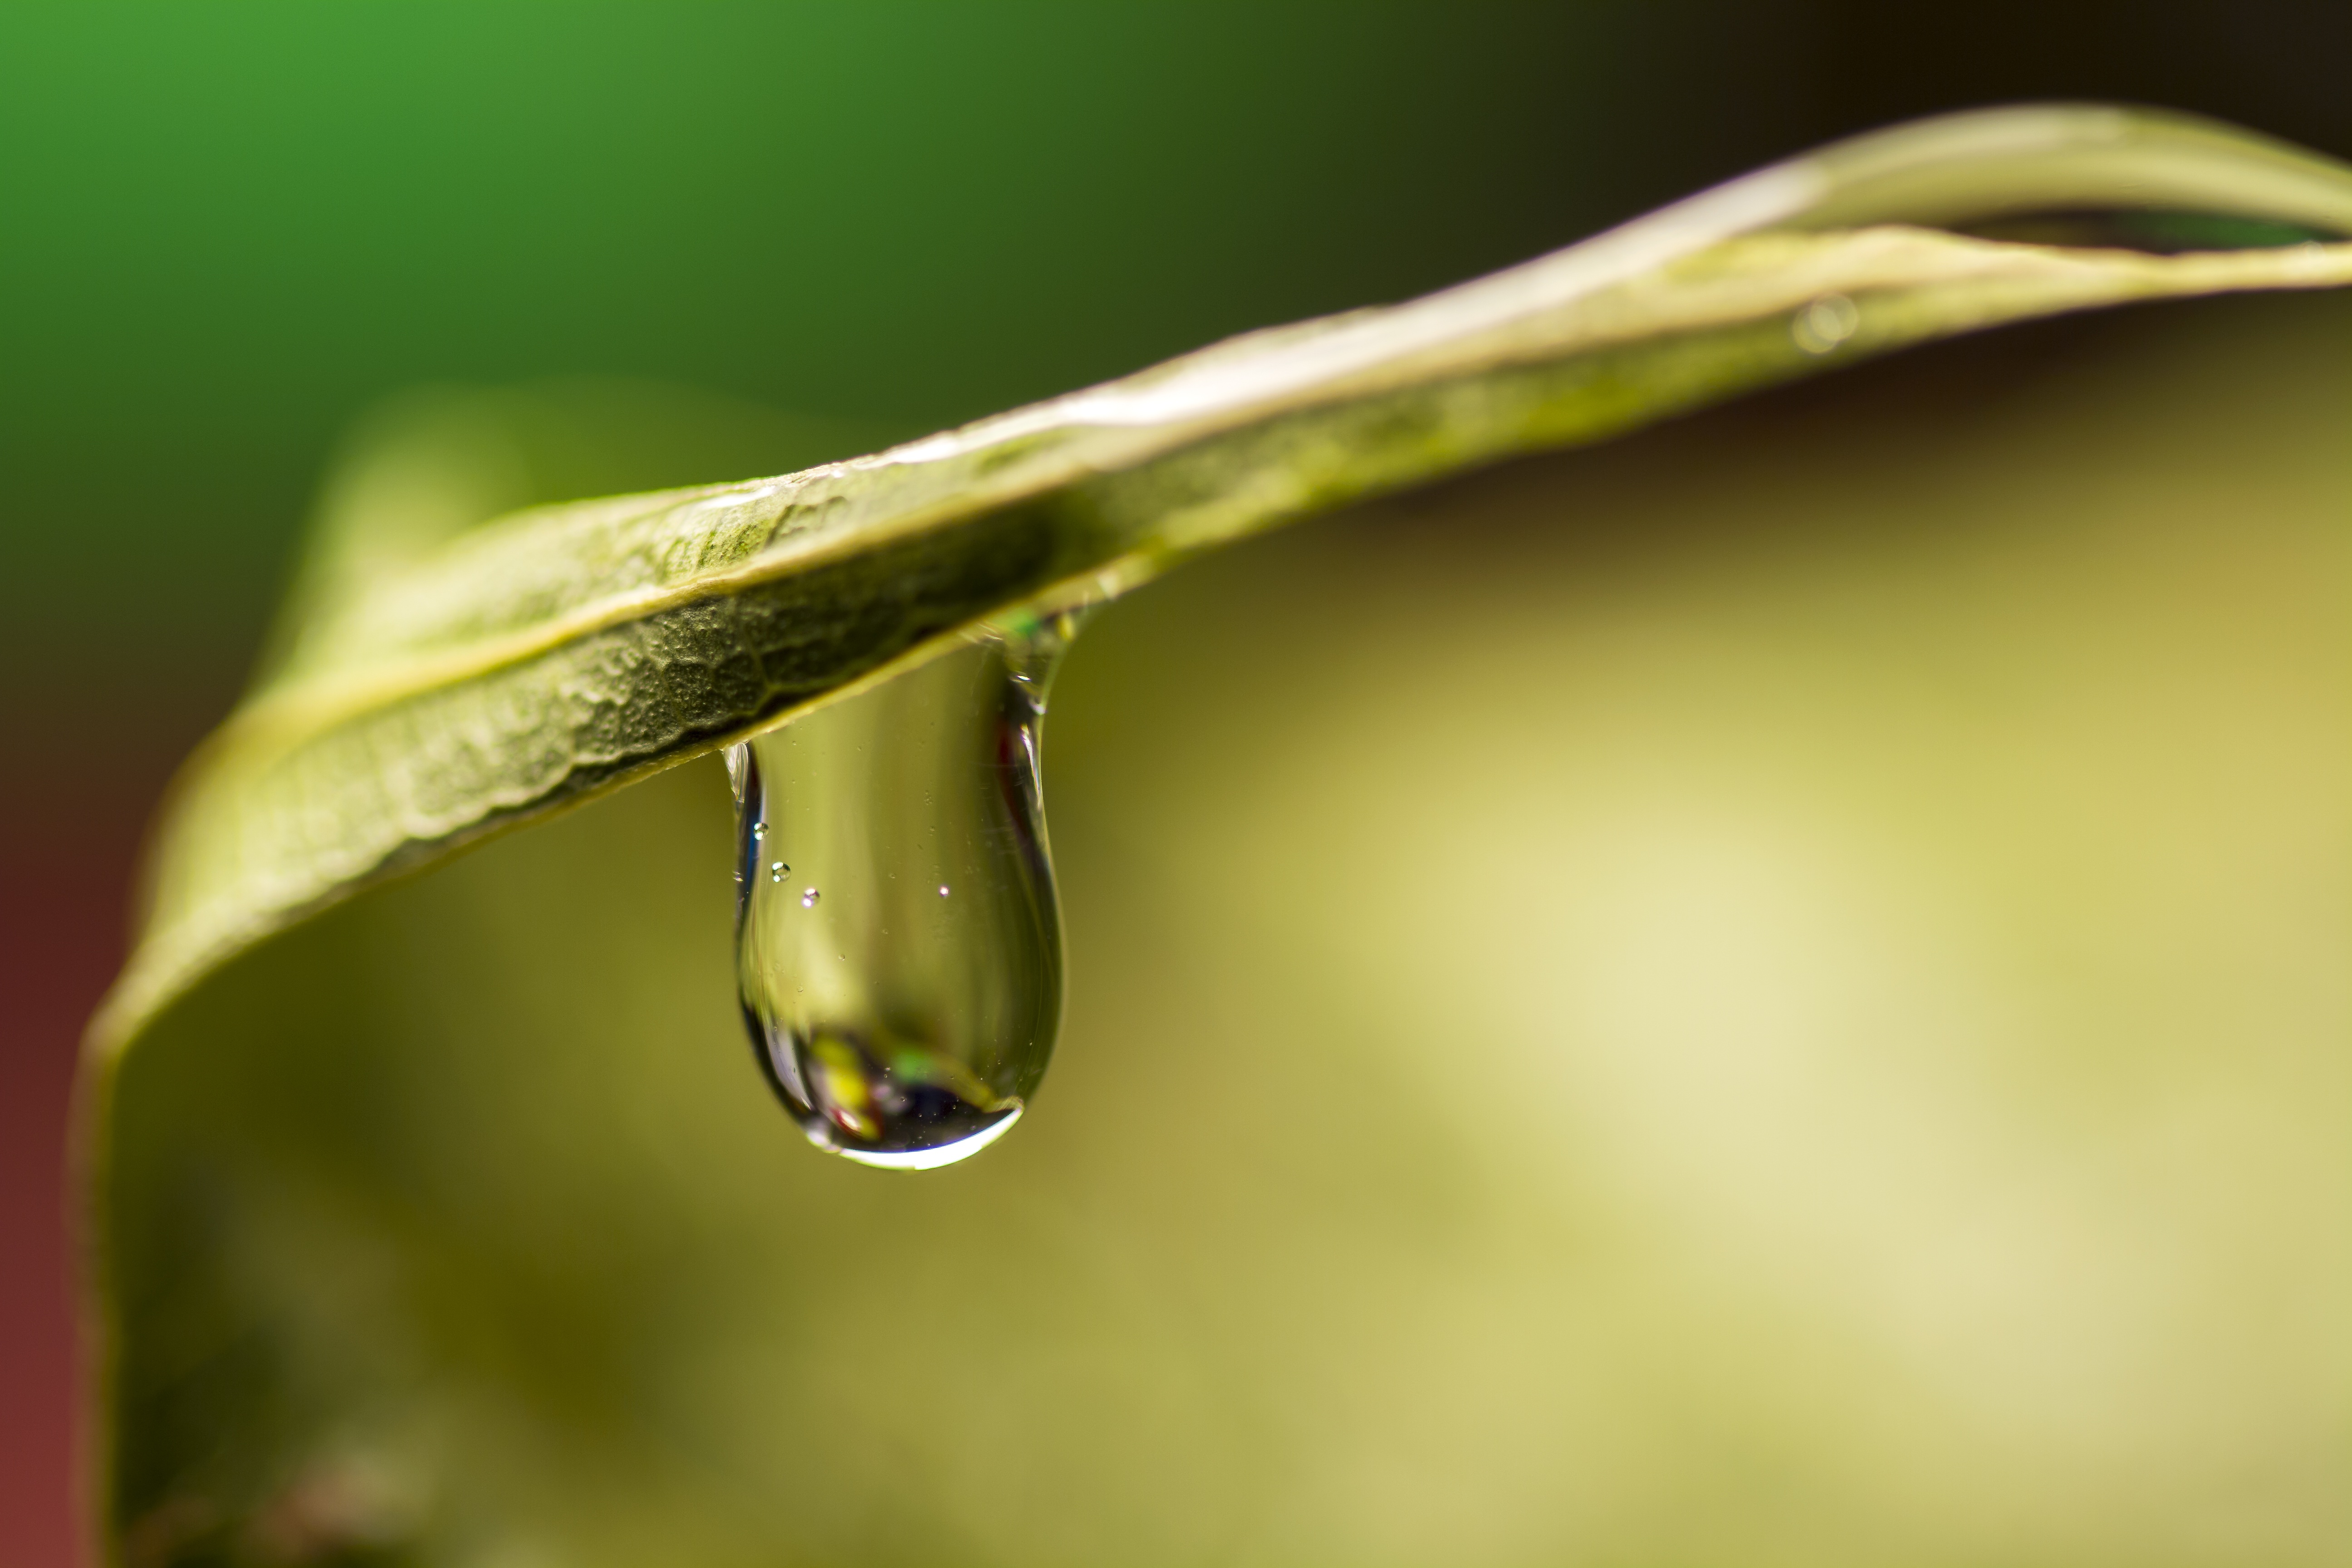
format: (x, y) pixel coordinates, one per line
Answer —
(1825, 323)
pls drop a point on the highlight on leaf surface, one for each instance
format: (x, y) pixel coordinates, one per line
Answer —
(503, 1271)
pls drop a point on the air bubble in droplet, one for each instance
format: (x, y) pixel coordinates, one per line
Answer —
(895, 1040)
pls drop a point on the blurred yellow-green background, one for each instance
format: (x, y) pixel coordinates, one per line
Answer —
(1313, 803)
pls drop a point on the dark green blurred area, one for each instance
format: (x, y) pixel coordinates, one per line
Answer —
(234, 229)
(231, 228)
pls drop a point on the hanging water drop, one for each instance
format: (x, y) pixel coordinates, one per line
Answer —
(899, 1026)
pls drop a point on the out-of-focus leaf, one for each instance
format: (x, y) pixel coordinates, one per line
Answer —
(1772, 993)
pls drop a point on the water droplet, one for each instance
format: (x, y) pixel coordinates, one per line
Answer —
(1825, 323)
(898, 1033)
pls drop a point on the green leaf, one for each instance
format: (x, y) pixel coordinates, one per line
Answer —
(1771, 993)
(439, 691)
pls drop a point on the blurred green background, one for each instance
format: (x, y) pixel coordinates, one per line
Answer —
(228, 230)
